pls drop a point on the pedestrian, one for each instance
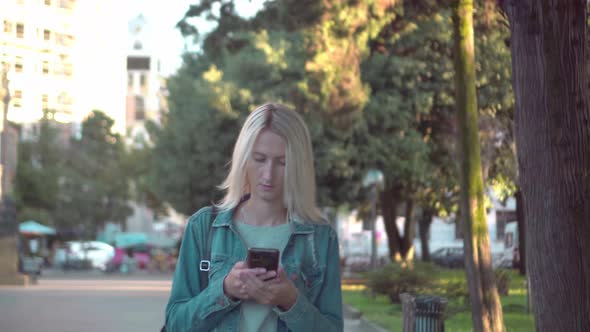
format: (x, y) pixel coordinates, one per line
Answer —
(269, 203)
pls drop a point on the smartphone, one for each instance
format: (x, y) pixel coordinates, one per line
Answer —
(263, 257)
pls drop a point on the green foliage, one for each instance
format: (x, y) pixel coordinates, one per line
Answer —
(373, 79)
(38, 172)
(93, 189)
(394, 279)
(379, 309)
(193, 148)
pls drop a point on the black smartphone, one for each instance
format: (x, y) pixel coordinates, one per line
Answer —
(263, 257)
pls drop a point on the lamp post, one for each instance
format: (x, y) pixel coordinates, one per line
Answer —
(374, 180)
(3, 129)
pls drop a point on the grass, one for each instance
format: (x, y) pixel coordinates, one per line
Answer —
(379, 310)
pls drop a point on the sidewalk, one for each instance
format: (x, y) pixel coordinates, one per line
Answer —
(355, 322)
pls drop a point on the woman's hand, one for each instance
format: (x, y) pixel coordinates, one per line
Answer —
(235, 281)
(279, 291)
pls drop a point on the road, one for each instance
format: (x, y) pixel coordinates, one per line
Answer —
(76, 302)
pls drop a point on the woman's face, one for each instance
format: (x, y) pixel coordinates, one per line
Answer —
(265, 169)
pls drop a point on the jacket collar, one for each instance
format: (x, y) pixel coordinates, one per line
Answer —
(225, 218)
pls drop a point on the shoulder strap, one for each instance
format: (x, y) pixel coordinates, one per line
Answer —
(206, 259)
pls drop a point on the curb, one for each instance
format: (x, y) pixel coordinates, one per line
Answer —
(366, 325)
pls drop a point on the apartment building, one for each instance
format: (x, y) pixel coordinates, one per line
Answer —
(67, 56)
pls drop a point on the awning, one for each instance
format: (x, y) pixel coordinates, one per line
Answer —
(31, 227)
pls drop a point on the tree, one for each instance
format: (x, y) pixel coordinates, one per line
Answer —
(550, 48)
(93, 188)
(485, 302)
(38, 172)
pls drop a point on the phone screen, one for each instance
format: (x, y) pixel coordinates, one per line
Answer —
(263, 257)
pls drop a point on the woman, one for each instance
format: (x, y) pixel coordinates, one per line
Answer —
(269, 203)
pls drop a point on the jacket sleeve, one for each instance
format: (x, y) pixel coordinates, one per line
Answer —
(325, 314)
(190, 307)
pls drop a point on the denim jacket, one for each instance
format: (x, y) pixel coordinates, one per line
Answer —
(310, 258)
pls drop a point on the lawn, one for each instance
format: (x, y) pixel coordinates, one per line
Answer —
(378, 309)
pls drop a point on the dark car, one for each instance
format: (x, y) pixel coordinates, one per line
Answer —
(451, 257)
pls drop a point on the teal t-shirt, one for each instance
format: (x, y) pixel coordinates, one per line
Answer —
(255, 316)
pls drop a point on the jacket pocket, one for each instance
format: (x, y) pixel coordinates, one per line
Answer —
(307, 280)
(218, 266)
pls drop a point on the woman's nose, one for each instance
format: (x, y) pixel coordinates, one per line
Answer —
(267, 171)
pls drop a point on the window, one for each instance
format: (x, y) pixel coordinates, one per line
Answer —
(139, 108)
(17, 99)
(7, 26)
(45, 67)
(46, 34)
(142, 80)
(64, 40)
(502, 218)
(67, 4)
(5, 61)
(138, 63)
(20, 30)
(18, 65)
(67, 69)
(130, 80)
(45, 102)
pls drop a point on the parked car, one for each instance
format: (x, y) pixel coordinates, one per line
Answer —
(84, 254)
(451, 257)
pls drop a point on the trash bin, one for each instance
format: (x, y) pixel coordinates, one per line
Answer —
(423, 313)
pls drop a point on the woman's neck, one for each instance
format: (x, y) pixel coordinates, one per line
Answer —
(261, 213)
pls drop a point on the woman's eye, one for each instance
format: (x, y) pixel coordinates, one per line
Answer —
(282, 162)
(259, 160)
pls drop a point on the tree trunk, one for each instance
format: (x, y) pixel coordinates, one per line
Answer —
(485, 302)
(389, 203)
(552, 124)
(521, 223)
(424, 228)
(407, 247)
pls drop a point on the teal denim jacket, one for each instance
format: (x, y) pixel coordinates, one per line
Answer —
(310, 258)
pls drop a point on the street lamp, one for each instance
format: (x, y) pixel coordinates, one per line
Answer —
(373, 179)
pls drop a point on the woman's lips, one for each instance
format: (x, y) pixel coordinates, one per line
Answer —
(266, 187)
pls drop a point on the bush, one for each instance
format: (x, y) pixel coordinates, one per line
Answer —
(502, 281)
(394, 279)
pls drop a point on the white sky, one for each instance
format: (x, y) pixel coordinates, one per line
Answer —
(162, 17)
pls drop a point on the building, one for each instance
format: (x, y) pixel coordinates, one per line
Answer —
(146, 87)
(63, 57)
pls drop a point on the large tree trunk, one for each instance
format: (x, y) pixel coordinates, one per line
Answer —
(485, 302)
(407, 247)
(550, 75)
(389, 203)
(521, 223)
(424, 228)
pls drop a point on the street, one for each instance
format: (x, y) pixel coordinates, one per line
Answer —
(79, 304)
(91, 302)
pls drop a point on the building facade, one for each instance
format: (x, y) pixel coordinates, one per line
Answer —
(63, 57)
(146, 87)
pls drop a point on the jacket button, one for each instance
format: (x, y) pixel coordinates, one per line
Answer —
(220, 301)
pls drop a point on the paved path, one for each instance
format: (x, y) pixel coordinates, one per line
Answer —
(92, 303)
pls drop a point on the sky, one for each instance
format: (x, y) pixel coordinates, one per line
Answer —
(162, 17)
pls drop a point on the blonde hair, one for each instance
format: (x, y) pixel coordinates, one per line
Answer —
(300, 186)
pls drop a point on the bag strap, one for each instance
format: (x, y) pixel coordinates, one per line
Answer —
(205, 263)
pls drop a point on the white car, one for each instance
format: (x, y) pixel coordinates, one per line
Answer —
(75, 252)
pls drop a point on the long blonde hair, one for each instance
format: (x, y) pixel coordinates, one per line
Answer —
(300, 186)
